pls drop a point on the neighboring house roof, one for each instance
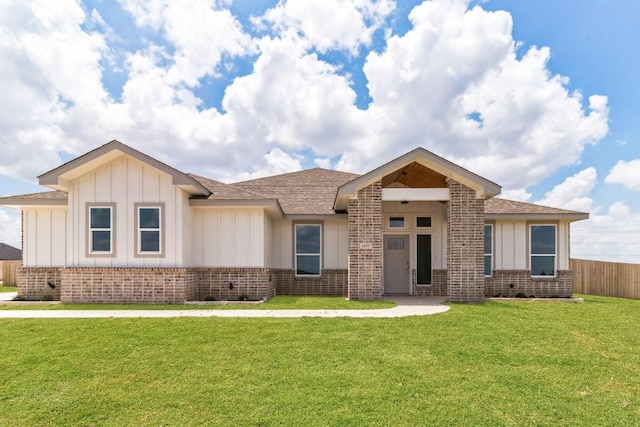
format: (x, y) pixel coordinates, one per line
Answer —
(308, 192)
(502, 208)
(57, 178)
(8, 252)
(46, 198)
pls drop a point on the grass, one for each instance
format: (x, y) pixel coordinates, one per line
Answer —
(8, 288)
(497, 364)
(276, 303)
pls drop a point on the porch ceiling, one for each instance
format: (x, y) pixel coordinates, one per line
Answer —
(415, 175)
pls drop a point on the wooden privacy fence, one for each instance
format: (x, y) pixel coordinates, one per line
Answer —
(610, 279)
(9, 272)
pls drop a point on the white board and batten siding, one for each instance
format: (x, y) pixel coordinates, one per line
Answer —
(125, 182)
(511, 244)
(228, 237)
(335, 243)
(44, 243)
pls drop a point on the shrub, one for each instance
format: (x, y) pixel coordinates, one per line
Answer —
(210, 298)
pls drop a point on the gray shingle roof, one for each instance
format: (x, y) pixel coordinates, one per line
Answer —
(504, 206)
(8, 252)
(308, 192)
(222, 191)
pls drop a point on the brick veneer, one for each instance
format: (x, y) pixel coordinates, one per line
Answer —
(33, 283)
(144, 285)
(438, 285)
(509, 283)
(124, 285)
(255, 283)
(333, 282)
(365, 226)
(465, 244)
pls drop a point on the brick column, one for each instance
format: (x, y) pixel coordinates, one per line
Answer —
(465, 245)
(365, 261)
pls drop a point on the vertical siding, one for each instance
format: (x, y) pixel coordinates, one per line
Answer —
(282, 243)
(510, 245)
(227, 237)
(45, 237)
(124, 182)
(336, 244)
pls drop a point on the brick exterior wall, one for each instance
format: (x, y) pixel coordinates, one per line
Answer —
(255, 283)
(437, 288)
(333, 282)
(465, 245)
(144, 285)
(33, 283)
(365, 226)
(500, 284)
(124, 285)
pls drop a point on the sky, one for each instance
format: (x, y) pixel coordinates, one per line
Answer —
(541, 96)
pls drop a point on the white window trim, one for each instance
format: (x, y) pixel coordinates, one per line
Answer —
(492, 251)
(138, 237)
(295, 251)
(89, 230)
(422, 228)
(404, 221)
(555, 255)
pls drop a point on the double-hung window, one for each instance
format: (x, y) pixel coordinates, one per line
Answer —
(101, 230)
(149, 238)
(308, 244)
(543, 250)
(488, 249)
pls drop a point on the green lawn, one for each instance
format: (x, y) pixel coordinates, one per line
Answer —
(8, 288)
(276, 303)
(514, 364)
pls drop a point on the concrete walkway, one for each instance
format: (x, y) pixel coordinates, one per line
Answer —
(407, 306)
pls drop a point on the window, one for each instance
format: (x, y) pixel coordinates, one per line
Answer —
(396, 222)
(543, 250)
(423, 221)
(423, 253)
(488, 249)
(149, 229)
(100, 230)
(308, 249)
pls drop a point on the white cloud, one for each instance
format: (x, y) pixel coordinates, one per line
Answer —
(520, 195)
(573, 193)
(453, 84)
(10, 225)
(455, 64)
(613, 236)
(625, 173)
(329, 24)
(277, 162)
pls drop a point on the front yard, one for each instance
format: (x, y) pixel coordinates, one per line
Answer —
(495, 364)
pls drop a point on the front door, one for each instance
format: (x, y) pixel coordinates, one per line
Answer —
(396, 265)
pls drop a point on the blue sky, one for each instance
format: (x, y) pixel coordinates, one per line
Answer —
(539, 96)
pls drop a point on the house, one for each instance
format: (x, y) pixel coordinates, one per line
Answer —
(9, 253)
(121, 226)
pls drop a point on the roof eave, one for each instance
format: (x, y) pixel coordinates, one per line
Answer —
(271, 205)
(576, 216)
(57, 180)
(19, 203)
